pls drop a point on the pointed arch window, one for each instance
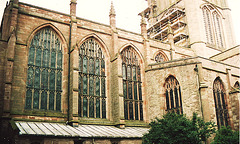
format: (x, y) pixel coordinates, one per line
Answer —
(213, 26)
(237, 85)
(208, 27)
(219, 94)
(173, 95)
(92, 80)
(160, 58)
(218, 29)
(44, 76)
(132, 89)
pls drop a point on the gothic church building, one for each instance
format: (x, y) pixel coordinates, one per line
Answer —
(65, 79)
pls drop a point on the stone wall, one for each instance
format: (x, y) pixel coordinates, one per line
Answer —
(183, 71)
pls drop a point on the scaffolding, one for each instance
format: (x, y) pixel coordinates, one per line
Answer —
(176, 17)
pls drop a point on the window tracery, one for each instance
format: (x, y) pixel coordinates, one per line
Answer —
(92, 96)
(220, 103)
(132, 89)
(237, 85)
(173, 95)
(160, 58)
(213, 26)
(44, 76)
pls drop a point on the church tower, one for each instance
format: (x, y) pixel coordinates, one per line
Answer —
(205, 26)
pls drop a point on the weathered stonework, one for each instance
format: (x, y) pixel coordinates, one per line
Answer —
(195, 68)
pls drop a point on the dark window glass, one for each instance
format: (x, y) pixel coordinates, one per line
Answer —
(132, 90)
(85, 105)
(51, 100)
(92, 71)
(103, 108)
(58, 101)
(136, 111)
(91, 107)
(37, 78)
(220, 103)
(30, 77)
(97, 86)
(28, 102)
(98, 107)
(85, 85)
(36, 100)
(44, 76)
(44, 100)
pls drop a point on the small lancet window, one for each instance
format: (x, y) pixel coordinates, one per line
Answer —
(173, 95)
(219, 94)
(91, 87)
(237, 85)
(160, 58)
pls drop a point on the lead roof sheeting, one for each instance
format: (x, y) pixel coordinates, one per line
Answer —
(61, 129)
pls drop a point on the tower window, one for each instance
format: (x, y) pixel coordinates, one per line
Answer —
(44, 76)
(173, 95)
(132, 89)
(92, 93)
(213, 26)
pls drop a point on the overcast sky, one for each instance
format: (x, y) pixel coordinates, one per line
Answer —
(126, 11)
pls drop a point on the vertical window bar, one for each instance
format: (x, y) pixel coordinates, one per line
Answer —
(79, 106)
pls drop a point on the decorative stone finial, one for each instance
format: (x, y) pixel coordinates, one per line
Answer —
(112, 10)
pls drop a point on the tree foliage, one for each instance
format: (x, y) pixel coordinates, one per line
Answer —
(225, 135)
(177, 129)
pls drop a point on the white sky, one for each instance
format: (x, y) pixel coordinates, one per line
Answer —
(126, 11)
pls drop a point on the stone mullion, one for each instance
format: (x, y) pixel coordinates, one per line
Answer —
(179, 99)
(169, 99)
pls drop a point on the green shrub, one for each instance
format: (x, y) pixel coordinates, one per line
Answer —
(177, 129)
(225, 135)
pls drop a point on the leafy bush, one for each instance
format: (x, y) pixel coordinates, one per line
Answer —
(177, 129)
(225, 135)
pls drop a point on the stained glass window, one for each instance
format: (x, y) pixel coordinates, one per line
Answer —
(173, 95)
(44, 76)
(92, 96)
(219, 94)
(132, 91)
